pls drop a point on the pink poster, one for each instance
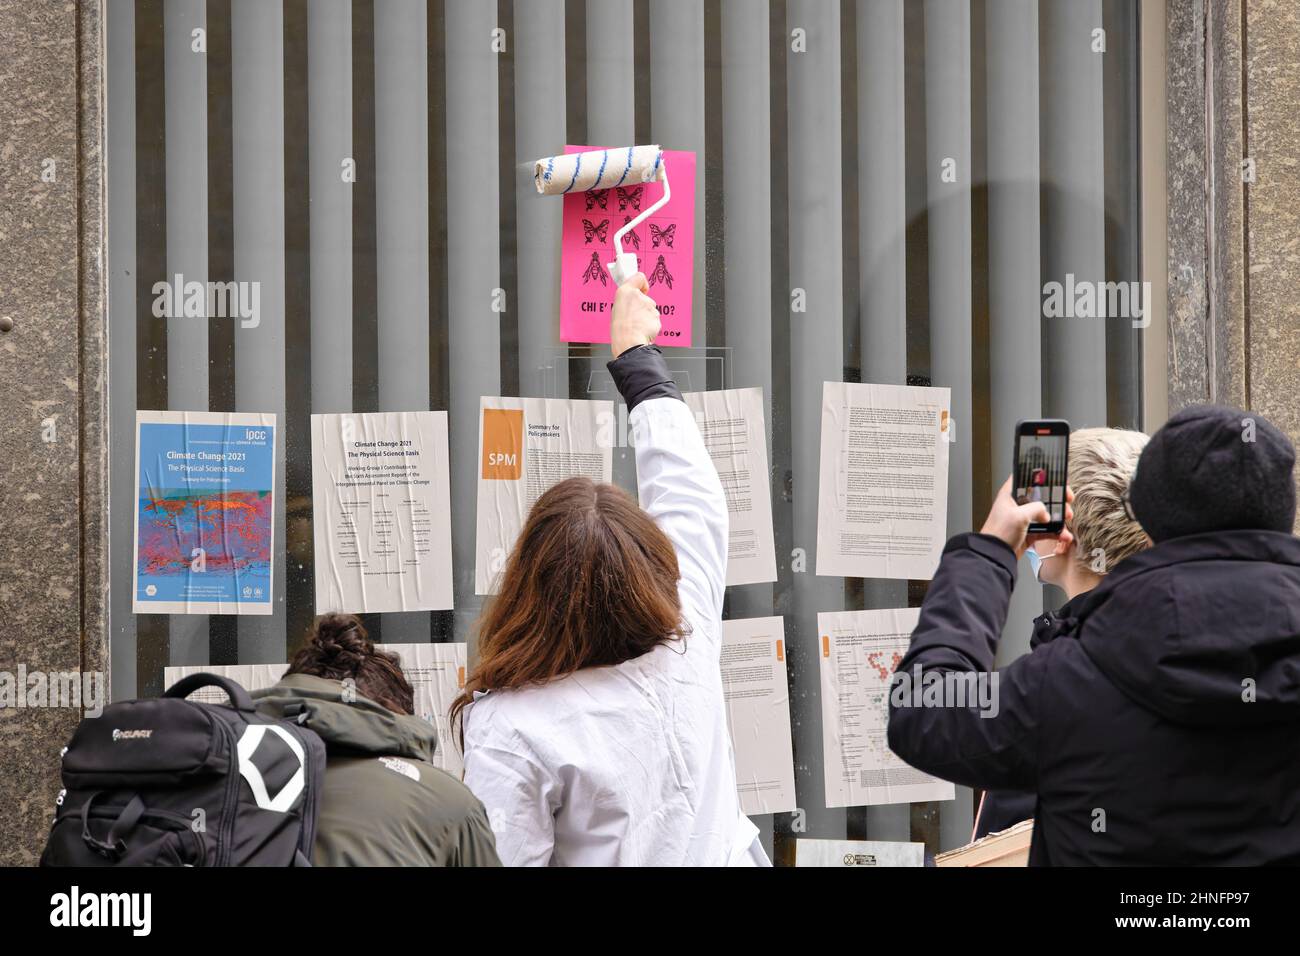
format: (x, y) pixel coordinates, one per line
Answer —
(664, 245)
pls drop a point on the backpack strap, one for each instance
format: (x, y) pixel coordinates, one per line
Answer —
(115, 845)
(239, 698)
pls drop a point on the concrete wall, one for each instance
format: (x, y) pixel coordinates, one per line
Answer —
(52, 388)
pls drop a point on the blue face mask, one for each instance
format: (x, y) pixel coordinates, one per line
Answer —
(1036, 561)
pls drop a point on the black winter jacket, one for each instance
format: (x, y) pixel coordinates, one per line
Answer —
(1003, 809)
(1167, 732)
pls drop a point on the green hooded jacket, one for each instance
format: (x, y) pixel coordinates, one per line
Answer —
(384, 803)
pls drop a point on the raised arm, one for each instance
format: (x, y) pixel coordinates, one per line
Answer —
(992, 743)
(987, 739)
(676, 479)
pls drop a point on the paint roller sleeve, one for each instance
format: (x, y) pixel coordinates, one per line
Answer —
(604, 169)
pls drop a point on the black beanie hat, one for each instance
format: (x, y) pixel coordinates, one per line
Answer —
(1212, 468)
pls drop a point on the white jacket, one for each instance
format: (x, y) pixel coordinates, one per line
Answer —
(629, 765)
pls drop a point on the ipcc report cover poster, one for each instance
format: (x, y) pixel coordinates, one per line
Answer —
(205, 512)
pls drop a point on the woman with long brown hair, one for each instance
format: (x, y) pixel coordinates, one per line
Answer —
(594, 726)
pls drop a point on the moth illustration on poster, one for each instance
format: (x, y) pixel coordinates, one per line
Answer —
(664, 246)
(204, 514)
(382, 512)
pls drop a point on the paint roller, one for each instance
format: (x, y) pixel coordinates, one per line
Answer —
(605, 169)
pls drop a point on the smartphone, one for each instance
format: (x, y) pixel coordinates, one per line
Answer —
(1042, 452)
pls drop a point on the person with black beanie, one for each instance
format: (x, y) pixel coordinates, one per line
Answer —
(1167, 731)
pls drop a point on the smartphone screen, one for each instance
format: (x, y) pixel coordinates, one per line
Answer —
(1042, 452)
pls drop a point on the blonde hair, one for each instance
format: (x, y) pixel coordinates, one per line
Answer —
(1102, 461)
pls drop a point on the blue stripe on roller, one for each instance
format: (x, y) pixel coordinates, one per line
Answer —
(576, 169)
(604, 158)
(627, 168)
(659, 158)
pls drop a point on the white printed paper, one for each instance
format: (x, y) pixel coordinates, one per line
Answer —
(860, 651)
(526, 446)
(382, 512)
(437, 675)
(758, 713)
(732, 424)
(857, 853)
(882, 507)
(251, 677)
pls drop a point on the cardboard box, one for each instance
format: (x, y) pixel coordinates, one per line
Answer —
(1004, 848)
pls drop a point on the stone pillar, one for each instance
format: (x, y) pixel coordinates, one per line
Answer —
(1234, 266)
(52, 394)
(1270, 39)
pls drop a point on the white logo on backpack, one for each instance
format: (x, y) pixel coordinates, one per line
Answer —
(248, 743)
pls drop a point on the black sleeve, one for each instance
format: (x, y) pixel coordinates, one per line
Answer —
(1003, 809)
(991, 743)
(641, 374)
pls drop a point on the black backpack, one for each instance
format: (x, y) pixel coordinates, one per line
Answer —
(173, 782)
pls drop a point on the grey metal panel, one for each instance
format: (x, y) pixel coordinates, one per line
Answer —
(1121, 141)
(402, 229)
(1015, 306)
(539, 131)
(329, 104)
(747, 205)
(402, 204)
(257, 79)
(882, 219)
(677, 122)
(185, 75)
(611, 121)
(816, 356)
(611, 90)
(882, 250)
(187, 199)
(1073, 175)
(119, 27)
(948, 137)
(473, 262)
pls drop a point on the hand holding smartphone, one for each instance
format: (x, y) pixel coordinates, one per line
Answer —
(1042, 452)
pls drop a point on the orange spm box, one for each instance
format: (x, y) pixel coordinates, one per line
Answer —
(503, 444)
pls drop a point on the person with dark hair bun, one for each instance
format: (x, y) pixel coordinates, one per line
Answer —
(384, 802)
(340, 649)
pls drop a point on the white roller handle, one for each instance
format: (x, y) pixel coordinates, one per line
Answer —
(624, 265)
